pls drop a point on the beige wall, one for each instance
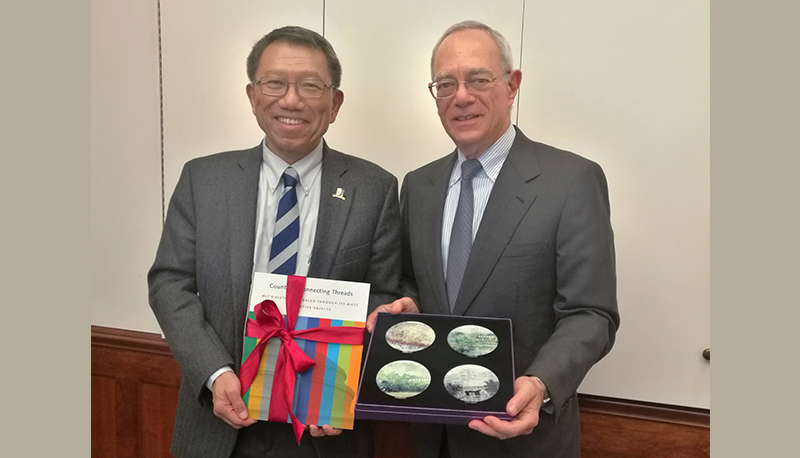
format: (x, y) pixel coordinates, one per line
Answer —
(125, 161)
(624, 83)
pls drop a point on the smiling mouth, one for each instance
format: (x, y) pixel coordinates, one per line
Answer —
(290, 121)
(466, 118)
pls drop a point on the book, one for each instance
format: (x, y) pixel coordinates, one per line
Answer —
(325, 393)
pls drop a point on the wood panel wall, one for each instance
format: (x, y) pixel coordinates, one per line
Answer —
(135, 384)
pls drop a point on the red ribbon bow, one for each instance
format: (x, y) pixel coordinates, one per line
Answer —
(292, 360)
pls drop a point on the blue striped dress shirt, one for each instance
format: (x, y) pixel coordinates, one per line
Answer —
(491, 162)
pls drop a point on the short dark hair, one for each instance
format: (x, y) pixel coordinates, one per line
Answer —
(297, 36)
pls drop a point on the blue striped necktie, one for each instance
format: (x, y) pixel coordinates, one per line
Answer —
(283, 251)
(461, 236)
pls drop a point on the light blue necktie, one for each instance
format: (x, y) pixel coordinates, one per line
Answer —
(283, 251)
(461, 236)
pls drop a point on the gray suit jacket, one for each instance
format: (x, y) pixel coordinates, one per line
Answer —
(200, 280)
(544, 257)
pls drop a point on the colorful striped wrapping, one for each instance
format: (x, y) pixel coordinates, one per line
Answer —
(324, 394)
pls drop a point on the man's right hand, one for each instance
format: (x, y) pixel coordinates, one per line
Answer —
(228, 404)
(402, 305)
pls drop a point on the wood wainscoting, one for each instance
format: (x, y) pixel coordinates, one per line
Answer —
(135, 384)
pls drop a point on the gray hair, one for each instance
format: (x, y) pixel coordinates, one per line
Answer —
(297, 36)
(506, 59)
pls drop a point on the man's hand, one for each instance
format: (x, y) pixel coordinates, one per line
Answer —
(402, 305)
(324, 430)
(228, 404)
(528, 396)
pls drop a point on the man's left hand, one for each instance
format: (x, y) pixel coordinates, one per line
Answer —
(324, 430)
(528, 396)
(402, 305)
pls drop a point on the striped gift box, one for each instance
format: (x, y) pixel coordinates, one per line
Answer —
(324, 394)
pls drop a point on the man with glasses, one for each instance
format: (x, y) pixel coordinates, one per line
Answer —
(290, 205)
(508, 227)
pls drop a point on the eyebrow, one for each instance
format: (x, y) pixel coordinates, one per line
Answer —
(303, 75)
(470, 72)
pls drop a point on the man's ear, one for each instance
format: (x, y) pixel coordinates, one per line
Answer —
(338, 100)
(514, 80)
(251, 94)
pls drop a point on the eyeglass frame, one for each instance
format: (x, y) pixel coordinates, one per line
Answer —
(260, 83)
(459, 83)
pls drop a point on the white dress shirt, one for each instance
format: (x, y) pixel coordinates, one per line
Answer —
(270, 190)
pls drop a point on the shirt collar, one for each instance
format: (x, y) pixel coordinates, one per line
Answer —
(307, 168)
(491, 160)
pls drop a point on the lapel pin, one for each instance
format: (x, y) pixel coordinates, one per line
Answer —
(339, 193)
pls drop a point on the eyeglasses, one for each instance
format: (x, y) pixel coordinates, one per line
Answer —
(306, 88)
(448, 87)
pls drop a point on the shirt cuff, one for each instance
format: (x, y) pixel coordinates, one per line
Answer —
(210, 381)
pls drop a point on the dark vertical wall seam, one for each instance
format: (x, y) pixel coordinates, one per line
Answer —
(161, 114)
(521, 41)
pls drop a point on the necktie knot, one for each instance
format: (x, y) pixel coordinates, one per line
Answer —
(469, 168)
(290, 178)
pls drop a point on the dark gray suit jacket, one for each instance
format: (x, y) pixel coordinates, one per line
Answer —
(200, 280)
(544, 257)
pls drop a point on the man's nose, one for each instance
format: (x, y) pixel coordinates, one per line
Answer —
(463, 94)
(291, 99)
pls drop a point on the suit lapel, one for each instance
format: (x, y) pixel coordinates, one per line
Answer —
(433, 210)
(242, 199)
(511, 198)
(333, 212)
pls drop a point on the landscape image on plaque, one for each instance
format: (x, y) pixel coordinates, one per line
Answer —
(472, 340)
(410, 336)
(471, 383)
(403, 379)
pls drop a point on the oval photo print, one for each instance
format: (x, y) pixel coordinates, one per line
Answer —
(472, 340)
(471, 383)
(403, 379)
(410, 336)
